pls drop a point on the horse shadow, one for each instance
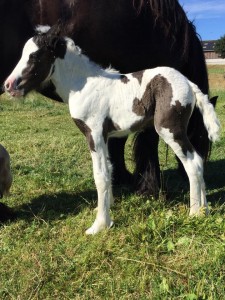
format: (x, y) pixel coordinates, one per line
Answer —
(174, 183)
(50, 207)
(215, 179)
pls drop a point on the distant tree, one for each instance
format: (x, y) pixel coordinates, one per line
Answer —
(220, 46)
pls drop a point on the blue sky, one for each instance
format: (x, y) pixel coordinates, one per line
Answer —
(208, 16)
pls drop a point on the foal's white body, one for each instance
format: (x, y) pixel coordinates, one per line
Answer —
(95, 96)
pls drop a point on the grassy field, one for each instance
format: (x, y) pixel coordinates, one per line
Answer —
(154, 251)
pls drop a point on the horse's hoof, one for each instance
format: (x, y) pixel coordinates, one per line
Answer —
(97, 227)
(200, 211)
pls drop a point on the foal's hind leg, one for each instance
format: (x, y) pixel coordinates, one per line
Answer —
(192, 163)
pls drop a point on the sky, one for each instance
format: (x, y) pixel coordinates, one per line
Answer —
(208, 17)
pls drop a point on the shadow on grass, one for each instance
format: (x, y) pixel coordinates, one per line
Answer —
(56, 206)
(215, 174)
(175, 184)
(215, 181)
(59, 206)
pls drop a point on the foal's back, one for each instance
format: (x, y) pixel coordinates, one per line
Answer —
(134, 100)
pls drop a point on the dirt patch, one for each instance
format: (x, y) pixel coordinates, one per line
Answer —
(217, 77)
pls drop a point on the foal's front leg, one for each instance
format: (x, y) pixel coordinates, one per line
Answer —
(102, 176)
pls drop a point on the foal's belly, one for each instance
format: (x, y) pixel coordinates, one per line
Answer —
(119, 133)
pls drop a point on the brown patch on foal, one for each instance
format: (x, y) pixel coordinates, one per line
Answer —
(87, 132)
(138, 107)
(144, 107)
(124, 79)
(138, 75)
(108, 126)
(156, 103)
(173, 117)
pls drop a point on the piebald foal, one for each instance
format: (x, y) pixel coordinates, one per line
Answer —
(104, 103)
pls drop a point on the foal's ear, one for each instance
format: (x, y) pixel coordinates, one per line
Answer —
(58, 46)
(56, 30)
(55, 42)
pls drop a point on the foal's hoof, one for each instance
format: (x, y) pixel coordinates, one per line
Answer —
(98, 226)
(201, 211)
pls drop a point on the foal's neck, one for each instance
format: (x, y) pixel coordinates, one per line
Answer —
(71, 73)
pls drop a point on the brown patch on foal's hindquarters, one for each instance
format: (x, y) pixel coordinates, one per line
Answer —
(156, 102)
(87, 132)
(172, 117)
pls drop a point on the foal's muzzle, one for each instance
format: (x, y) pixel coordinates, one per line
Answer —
(12, 86)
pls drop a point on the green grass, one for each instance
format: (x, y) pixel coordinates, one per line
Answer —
(216, 70)
(154, 251)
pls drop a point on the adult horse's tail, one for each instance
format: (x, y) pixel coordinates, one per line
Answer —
(207, 110)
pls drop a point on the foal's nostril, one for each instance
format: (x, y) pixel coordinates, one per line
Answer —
(7, 86)
(12, 84)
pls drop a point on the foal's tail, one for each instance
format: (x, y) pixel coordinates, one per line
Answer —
(207, 110)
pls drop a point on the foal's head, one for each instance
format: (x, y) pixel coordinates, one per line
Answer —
(37, 62)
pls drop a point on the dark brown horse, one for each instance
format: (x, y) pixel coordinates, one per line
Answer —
(129, 35)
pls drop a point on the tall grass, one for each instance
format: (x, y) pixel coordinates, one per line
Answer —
(154, 251)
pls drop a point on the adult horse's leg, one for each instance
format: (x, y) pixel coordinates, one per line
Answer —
(147, 171)
(116, 152)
